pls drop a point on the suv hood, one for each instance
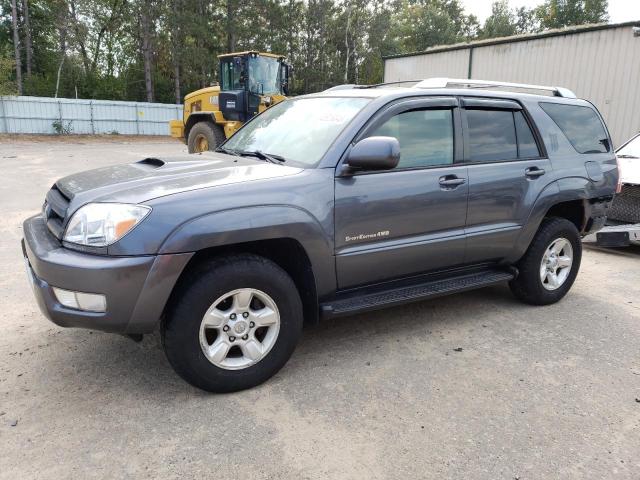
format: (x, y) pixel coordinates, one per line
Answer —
(156, 177)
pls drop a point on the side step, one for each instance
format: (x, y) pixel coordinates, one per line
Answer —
(356, 302)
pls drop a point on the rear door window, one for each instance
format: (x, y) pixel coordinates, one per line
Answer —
(499, 135)
(527, 146)
(492, 135)
(581, 125)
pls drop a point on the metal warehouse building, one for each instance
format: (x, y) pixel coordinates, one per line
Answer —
(600, 63)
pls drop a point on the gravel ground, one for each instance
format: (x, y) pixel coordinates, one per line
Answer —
(474, 385)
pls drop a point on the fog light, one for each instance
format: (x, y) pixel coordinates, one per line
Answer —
(90, 302)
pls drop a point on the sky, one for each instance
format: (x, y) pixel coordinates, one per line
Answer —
(619, 10)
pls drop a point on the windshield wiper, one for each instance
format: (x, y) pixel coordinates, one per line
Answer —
(269, 157)
(626, 156)
(227, 151)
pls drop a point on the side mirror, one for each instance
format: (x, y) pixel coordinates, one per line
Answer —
(374, 153)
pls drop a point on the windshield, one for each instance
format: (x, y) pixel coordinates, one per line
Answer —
(264, 75)
(631, 149)
(299, 130)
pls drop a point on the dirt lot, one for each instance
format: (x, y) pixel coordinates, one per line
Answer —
(551, 392)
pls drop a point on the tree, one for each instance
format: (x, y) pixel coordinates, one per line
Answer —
(158, 50)
(501, 22)
(27, 35)
(146, 48)
(7, 85)
(564, 13)
(426, 23)
(16, 45)
(504, 21)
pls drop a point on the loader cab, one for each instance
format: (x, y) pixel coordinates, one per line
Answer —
(251, 82)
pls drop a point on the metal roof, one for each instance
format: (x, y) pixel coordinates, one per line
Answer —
(518, 38)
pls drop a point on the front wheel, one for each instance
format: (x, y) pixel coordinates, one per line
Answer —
(204, 136)
(235, 324)
(550, 266)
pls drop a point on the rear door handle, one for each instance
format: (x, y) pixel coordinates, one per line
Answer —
(451, 181)
(534, 172)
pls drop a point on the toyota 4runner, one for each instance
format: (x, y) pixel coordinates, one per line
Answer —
(329, 204)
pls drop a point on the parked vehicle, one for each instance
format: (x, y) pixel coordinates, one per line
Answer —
(623, 220)
(250, 83)
(325, 205)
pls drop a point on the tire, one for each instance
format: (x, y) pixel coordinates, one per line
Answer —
(205, 133)
(182, 335)
(529, 286)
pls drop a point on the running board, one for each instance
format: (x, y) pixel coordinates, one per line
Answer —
(356, 303)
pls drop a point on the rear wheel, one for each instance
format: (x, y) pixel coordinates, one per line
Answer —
(235, 324)
(550, 266)
(205, 136)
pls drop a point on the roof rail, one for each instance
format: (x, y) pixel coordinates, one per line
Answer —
(444, 82)
(349, 86)
(346, 86)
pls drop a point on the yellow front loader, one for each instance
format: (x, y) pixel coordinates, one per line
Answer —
(250, 82)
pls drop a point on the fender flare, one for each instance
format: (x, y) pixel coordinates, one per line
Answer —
(565, 189)
(250, 224)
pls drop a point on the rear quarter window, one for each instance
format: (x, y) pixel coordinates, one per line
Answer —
(581, 125)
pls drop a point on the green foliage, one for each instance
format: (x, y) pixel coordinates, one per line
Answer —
(565, 13)
(98, 44)
(7, 84)
(62, 128)
(427, 23)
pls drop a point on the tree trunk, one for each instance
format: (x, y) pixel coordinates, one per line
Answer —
(16, 45)
(346, 46)
(63, 50)
(177, 49)
(202, 47)
(27, 35)
(290, 30)
(78, 39)
(231, 30)
(146, 53)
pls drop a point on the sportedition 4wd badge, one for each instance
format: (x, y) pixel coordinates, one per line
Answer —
(366, 236)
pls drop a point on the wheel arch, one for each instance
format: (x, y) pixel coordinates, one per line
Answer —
(286, 252)
(197, 117)
(568, 198)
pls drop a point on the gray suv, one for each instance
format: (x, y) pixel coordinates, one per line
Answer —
(324, 205)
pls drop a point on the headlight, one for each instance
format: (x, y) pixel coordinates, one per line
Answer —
(101, 224)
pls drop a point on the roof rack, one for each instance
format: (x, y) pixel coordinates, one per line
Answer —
(444, 82)
(350, 86)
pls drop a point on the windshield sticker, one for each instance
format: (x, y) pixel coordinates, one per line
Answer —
(331, 117)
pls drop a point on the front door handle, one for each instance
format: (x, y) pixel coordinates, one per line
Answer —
(451, 181)
(534, 172)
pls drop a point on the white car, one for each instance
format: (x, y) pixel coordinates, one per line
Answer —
(623, 219)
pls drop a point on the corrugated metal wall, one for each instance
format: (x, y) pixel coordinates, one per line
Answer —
(602, 66)
(38, 114)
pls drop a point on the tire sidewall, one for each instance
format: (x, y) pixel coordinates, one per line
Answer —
(206, 129)
(529, 284)
(182, 340)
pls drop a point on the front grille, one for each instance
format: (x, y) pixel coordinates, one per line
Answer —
(626, 205)
(54, 211)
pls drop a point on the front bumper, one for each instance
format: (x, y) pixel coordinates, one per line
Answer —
(176, 129)
(621, 235)
(136, 288)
